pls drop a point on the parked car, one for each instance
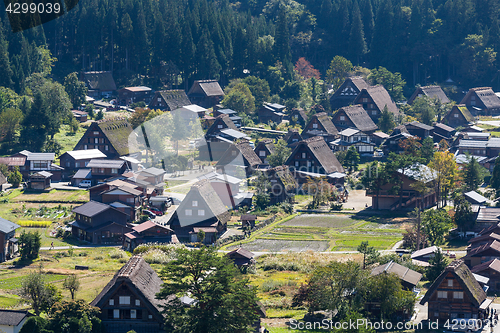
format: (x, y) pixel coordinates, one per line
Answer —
(85, 183)
(149, 213)
(156, 211)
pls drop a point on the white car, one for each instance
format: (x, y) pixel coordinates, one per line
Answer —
(85, 183)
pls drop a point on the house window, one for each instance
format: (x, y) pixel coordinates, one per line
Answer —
(315, 125)
(194, 203)
(342, 118)
(116, 313)
(96, 133)
(450, 283)
(262, 153)
(96, 140)
(219, 126)
(150, 316)
(102, 140)
(77, 164)
(133, 314)
(303, 155)
(458, 294)
(85, 147)
(111, 302)
(233, 152)
(370, 106)
(296, 163)
(159, 99)
(114, 170)
(455, 115)
(130, 200)
(188, 212)
(137, 302)
(106, 147)
(374, 112)
(125, 300)
(201, 212)
(442, 294)
(365, 100)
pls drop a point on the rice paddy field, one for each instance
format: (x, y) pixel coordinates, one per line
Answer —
(335, 232)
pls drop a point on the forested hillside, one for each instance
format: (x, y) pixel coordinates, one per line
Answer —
(159, 43)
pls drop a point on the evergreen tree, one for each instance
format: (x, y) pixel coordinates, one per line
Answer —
(351, 160)
(472, 175)
(282, 43)
(386, 121)
(495, 177)
(427, 150)
(5, 67)
(357, 44)
(368, 22)
(437, 264)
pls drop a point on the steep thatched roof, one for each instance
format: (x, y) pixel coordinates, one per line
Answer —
(243, 147)
(464, 276)
(268, 144)
(102, 81)
(485, 95)
(404, 273)
(118, 131)
(283, 173)
(320, 150)
(173, 98)
(225, 121)
(431, 92)
(380, 97)
(206, 88)
(359, 117)
(138, 275)
(325, 123)
(461, 108)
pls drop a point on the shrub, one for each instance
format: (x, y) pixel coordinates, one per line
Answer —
(98, 257)
(118, 254)
(336, 206)
(156, 256)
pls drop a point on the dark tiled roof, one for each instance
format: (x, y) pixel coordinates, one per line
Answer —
(41, 157)
(153, 171)
(493, 264)
(118, 132)
(444, 127)
(431, 92)
(100, 81)
(83, 174)
(12, 317)
(359, 117)
(404, 273)
(113, 164)
(242, 252)
(6, 226)
(420, 125)
(174, 98)
(492, 244)
(91, 208)
(466, 280)
(136, 273)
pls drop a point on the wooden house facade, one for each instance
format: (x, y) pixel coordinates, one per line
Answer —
(128, 302)
(283, 184)
(320, 125)
(263, 149)
(169, 100)
(8, 242)
(482, 101)
(239, 158)
(456, 294)
(374, 99)
(459, 115)
(354, 116)
(205, 93)
(147, 232)
(430, 92)
(347, 92)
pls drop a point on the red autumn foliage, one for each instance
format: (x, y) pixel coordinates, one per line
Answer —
(306, 70)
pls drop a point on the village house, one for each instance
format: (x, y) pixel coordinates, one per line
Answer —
(147, 232)
(475, 198)
(233, 115)
(283, 185)
(491, 270)
(482, 253)
(131, 95)
(408, 197)
(11, 321)
(169, 100)
(431, 92)
(12, 162)
(131, 200)
(482, 101)
(354, 116)
(113, 137)
(74, 160)
(241, 257)
(271, 112)
(482, 239)
(459, 115)
(353, 137)
(298, 117)
(227, 188)
(378, 138)
(221, 122)
(81, 116)
(442, 132)
(487, 217)
(80, 176)
(206, 93)
(292, 137)
(419, 130)
(374, 99)
(422, 256)
(103, 169)
(39, 181)
(313, 158)
(99, 223)
(409, 278)
(201, 209)
(8, 242)
(347, 92)
(192, 113)
(128, 302)
(238, 159)
(472, 147)
(322, 126)
(248, 221)
(35, 162)
(399, 133)
(99, 84)
(456, 294)
(263, 149)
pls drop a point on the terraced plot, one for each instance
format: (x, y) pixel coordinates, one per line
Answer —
(277, 245)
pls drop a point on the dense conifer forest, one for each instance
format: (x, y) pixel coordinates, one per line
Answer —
(170, 43)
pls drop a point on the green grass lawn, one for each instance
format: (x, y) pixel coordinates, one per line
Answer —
(68, 141)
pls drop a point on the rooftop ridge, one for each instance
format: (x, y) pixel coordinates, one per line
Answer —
(129, 267)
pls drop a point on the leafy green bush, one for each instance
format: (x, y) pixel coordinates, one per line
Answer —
(118, 254)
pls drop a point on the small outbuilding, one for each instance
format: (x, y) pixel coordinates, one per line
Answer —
(248, 220)
(40, 180)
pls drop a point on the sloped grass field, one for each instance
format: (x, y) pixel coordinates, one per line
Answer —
(335, 232)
